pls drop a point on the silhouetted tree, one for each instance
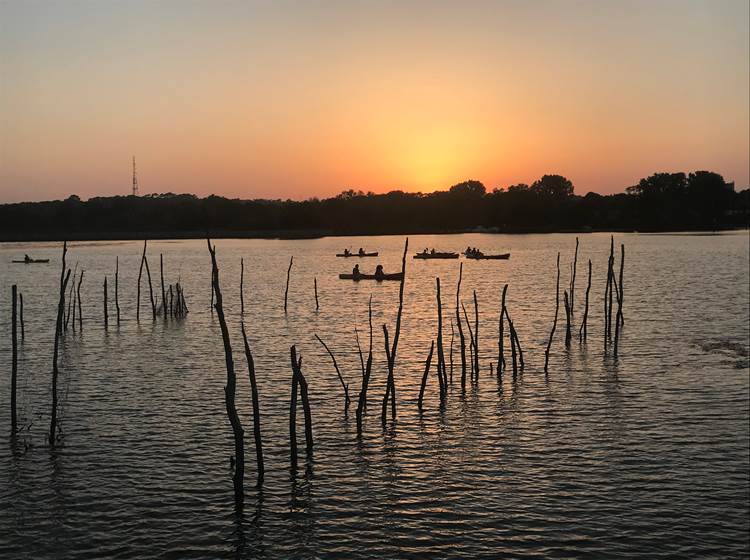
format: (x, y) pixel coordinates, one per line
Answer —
(553, 186)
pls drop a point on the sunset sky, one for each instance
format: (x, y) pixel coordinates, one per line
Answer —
(299, 99)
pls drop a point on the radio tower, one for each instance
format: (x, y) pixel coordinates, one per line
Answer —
(135, 179)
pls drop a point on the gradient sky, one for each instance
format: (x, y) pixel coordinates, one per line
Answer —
(308, 98)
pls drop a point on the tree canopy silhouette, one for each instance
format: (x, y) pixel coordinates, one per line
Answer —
(660, 202)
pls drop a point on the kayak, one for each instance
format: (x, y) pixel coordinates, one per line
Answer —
(503, 256)
(32, 261)
(394, 276)
(347, 255)
(436, 255)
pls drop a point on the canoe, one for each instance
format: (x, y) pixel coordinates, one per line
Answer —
(394, 276)
(436, 256)
(32, 261)
(503, 256)
(375, 254)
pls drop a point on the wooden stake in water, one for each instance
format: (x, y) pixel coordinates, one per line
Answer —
(150, 289)
(288, 274)
(256, 408)
(424, 377)
(117, 281)
(106, 313)
(315, 287)
(557, 310)
(230, 390)
(163, 291)
(344, 385)
(501, 335)
(459, 321)
(23, 328)
(620, 295)
(14, 363)
(78, 297)
(391, 353)
(138, 293)
(442, 376)
(64, 278)
(362, 403)
(242, 286)
(573, 279)
(567, 319)
(583, 331)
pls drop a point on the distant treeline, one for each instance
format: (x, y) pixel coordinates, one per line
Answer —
(661, 202)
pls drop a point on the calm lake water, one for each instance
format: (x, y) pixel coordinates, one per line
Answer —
(647, 455)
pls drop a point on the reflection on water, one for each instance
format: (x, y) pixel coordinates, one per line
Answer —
(644, 455)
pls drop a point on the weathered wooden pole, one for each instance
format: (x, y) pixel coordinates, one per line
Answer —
(256, 408)
(117, 281)
(163, 291)
(106, 312)
(138, 293)
(583, 330)
(476, 336)
(230, 389)
(442, 376)
(297, 367)
(501, 335)
(514, 338)
(315, 287)
(71, 299)
(150, 289)
(453, 334)
(288, 274)
(554, 323)
(293, 409)
(391, 354)
(171, 301)
(608, 292)
(23, 328)
(513, 353)
(344, 385)
(424, 376)
(306, 410)
(461, 337)
(471, 342)
(573, 280)
(362, 403)
(620, 295)
(567, 319)
(78, 297)
(14, 363)
(64, 278)
(242, 286)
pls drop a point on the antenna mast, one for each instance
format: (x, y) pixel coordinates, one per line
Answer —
(135, 179)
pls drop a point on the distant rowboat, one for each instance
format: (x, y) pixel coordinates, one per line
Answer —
(347, 255)
(394, 276)
(481, 257)
(32, 261)
(436, 255)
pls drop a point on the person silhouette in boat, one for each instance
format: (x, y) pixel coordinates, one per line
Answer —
(355, 272)
(379, 274)
(361, 251)
(26, 258)
(346, 252)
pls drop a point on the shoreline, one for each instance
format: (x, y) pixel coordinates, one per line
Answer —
(320, 234)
